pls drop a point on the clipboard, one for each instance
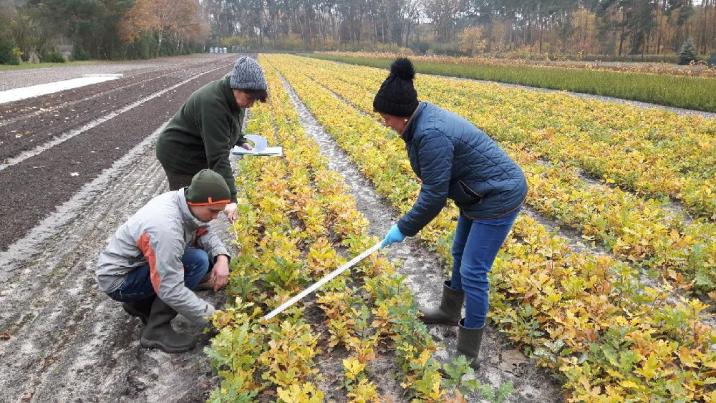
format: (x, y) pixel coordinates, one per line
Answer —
(260, 148)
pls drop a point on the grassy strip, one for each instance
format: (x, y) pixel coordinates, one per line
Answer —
(30, 66)
(611, 336)
(681, 92)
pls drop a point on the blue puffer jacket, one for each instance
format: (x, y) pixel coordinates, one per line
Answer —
(456, 160)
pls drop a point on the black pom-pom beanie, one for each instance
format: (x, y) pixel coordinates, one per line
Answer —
(397, 95)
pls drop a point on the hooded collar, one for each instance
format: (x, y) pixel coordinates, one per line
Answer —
(186, 215)
(229, 94)
(408, 132)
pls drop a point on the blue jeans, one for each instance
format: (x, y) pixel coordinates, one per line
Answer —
(138, 287)
(474, 249)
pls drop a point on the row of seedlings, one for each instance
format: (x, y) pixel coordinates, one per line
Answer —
(651, 151)
(296, 220)
(590, 317)
(638, 230)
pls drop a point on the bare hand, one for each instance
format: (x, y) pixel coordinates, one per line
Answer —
(230, 211)
(247, 146)
(220, 273)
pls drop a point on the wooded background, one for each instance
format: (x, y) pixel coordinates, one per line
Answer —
(117, 29)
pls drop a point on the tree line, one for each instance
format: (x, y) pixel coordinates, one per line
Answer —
(605, 27)
(119, 29)
(99, 29)
(469, 27)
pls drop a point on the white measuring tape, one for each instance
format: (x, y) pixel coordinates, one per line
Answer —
(328, 277)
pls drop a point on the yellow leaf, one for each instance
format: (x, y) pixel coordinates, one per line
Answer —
(686, 357)
(629, 384)
(424, 357)
(648, 370)
(353, 367)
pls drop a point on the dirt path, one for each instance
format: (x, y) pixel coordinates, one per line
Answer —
(26, 77)
(501, 362)
(67, 339)
(59, 162)
(60, 338)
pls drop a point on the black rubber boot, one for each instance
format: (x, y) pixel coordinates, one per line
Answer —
(140, 309)
(468, 343)
(450, 309)
(158, 332)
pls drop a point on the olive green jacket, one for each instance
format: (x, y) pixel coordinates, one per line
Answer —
(202, 133)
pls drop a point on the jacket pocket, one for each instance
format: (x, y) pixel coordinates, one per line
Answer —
(463, 195)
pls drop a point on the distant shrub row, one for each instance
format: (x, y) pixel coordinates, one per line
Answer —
(677, 91)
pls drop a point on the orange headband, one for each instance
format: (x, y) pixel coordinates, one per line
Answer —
(210, 202)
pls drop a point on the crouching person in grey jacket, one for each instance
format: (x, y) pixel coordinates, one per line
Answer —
(162, 253)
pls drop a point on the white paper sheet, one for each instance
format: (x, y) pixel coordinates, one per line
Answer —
(259, 142)
(260, 147)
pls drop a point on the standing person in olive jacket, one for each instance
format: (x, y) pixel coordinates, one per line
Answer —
(454, 160)
(208, 125)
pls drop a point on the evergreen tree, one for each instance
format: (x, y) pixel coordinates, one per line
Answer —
(687, 54)
(7, 53)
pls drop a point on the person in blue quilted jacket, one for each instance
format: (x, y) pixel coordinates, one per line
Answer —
(454, 160)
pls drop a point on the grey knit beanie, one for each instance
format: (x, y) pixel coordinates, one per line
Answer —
(247, 75)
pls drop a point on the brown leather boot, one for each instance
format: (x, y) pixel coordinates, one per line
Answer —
(158, 332)
(450, 309)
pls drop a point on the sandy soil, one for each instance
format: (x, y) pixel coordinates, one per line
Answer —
(62, 339)
(68, 138)
(27, 77)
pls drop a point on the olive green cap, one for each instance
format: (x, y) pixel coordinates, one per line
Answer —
(207, 187)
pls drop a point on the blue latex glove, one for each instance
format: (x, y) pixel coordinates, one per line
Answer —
(394, 235)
